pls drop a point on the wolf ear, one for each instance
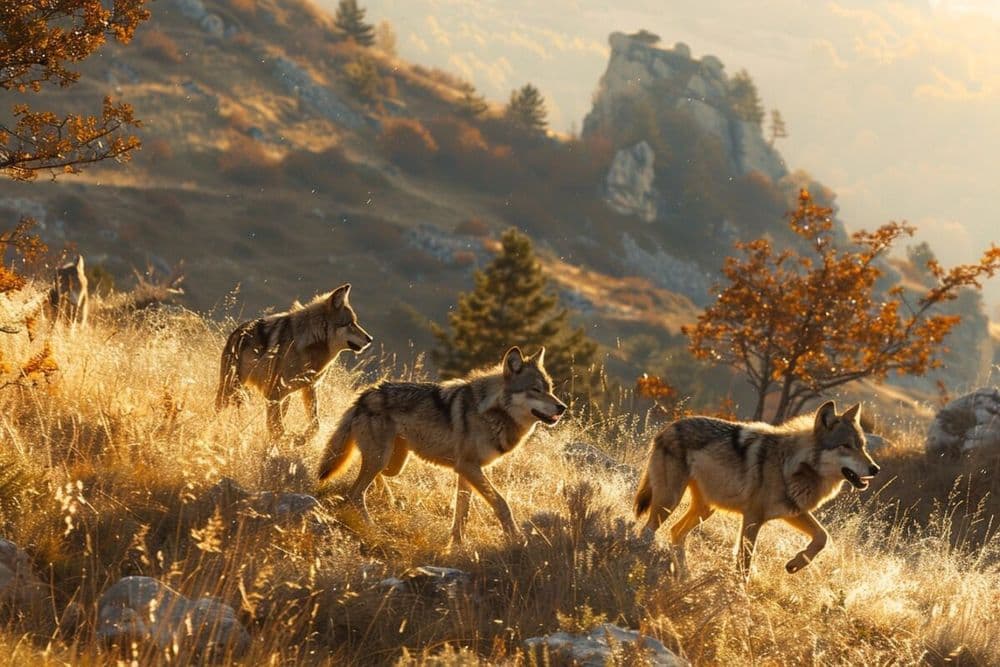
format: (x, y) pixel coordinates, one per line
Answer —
(853, 413)
(826, 416)
(539, 357)
(338, 299)
(513, 361)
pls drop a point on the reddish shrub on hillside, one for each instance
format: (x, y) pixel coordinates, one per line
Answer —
(159, 45)
(408, 143)
(245, 161)
(473, 227)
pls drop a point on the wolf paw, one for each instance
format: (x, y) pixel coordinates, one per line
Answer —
(797, 563)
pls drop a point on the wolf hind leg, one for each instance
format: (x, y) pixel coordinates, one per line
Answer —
(668, 479)
(374, 441)
(696, 513)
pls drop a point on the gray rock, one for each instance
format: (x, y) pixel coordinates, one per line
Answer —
(214, 25)
(192, 9)
(298, 81)
(629, 183)
(755, 154)
(969, 423)
(682, 49)
(598, 647)
(142, 609)
(583, 453)
(20, 589)
(673, 273)
(431, 581)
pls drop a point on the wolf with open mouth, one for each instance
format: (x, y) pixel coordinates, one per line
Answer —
(757, 470)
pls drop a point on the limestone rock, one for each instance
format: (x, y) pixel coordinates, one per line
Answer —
(142, 609)
(629, 184)
(21, 591)
(597, 648)
(970, 423)
(431, 581)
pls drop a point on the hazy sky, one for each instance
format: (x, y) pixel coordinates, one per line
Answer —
(895, 105)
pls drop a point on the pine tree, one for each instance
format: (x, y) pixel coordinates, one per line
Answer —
(526, 109)
(778, 130)
(472, 104)
(511, 305)
(350, 20)
(744, 98)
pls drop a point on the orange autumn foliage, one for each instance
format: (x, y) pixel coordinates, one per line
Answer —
(39, 42)
(799, 324)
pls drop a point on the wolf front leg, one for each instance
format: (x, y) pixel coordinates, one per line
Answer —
(277, 406)
(463, 496)
(807, 524)
(747, 543)
(474, 475)
(312, 409)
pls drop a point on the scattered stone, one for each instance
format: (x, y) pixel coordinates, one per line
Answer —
(192, 9)
(599, 647)
(584, 453)
(629, 184)
(298, 81)
(970, 423)
(447, 247)
(20, 590)
(142, 609)
(430, 581)
(214, 25)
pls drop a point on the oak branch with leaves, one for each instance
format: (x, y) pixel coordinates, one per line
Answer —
(39, 43)
(800, 324)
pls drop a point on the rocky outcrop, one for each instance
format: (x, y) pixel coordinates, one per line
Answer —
(598, 648)
(673, 273)
(21, 591)
(629, 184)
(672, 78)
(431, 581)
(142, 609)
(970, 423)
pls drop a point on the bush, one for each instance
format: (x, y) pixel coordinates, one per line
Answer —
(473, 227)
(246, 162)
(158, 45)
(364, 78)
(407, 143)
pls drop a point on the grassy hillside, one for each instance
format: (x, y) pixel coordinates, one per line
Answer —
(107, 470)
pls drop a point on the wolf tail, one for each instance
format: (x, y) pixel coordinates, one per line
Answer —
(340, 446)
(644, 495)
(229, 374)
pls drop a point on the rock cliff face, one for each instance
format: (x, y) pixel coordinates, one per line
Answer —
(699, 88)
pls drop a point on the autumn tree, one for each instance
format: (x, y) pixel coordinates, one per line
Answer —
(526, 109)
(799, 324)
(744, 99)
(350, 20)
(511, 304)
(39, 44)
(777, 128)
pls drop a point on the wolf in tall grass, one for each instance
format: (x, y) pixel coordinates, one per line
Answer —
(68, 299)
(287, 352)
(760, 471)
(464, 424)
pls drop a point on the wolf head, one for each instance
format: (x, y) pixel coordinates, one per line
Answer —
(346, 333)
(528, 388)
(843, 450)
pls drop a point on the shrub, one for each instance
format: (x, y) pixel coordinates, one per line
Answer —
(364, 78)
(158, 45)
(246, 162)
(473, 227)
(408, 143)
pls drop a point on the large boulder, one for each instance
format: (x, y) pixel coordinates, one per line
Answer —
(21, 591)
(970, 423)
(598, 648)
(143, 610)
(629, 184)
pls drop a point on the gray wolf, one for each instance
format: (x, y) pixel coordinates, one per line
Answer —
(287, 352)
(760, 471)
(68, 299)
(464, 424)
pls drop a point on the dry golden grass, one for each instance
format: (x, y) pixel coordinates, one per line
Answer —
(114, 455)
